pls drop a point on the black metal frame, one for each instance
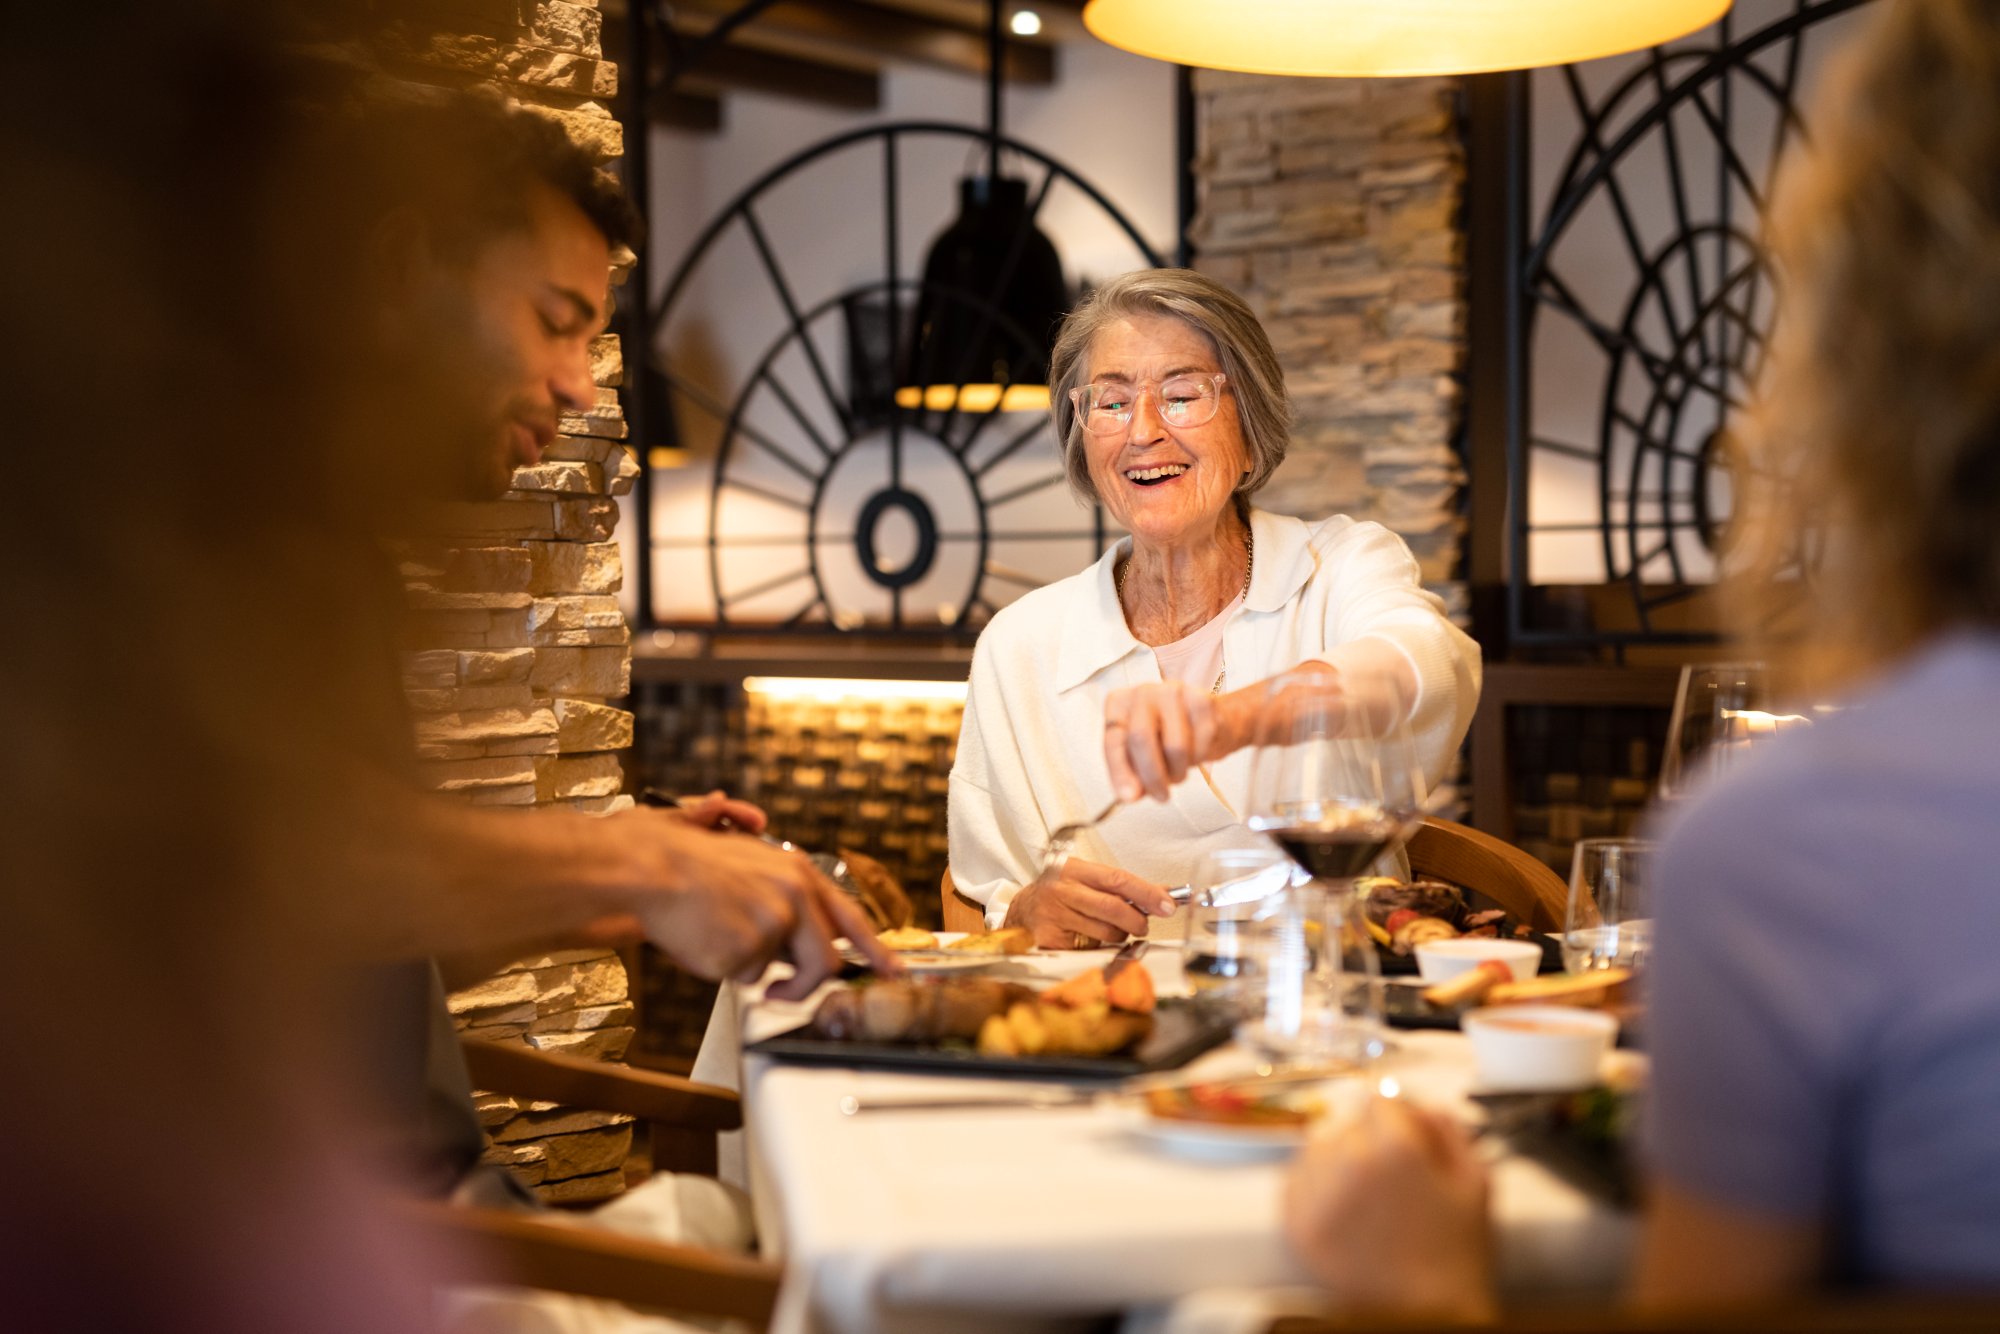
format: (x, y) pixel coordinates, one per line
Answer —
(1514, 279)
(650, 407)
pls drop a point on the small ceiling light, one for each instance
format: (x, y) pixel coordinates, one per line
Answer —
(1391, 37)
(1025, 23)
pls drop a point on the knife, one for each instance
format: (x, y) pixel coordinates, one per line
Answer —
(1129, 954)
(1245, 889)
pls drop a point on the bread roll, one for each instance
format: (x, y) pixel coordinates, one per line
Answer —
(1007, 940)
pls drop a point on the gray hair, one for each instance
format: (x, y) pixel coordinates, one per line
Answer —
(1263, 406)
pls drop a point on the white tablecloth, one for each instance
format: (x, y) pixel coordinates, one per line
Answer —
(1016, 1218)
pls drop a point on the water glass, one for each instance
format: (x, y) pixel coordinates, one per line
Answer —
(1317, 982)
(1608, 923)
(1220, 957)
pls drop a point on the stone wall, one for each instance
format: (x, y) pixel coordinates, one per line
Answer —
(515, 643)
(1333, 207)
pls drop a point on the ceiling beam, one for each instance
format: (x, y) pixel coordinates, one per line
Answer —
(685, 111)
(734, 66)
(876, 31)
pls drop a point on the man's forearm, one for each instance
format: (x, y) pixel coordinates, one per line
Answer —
(430, 876)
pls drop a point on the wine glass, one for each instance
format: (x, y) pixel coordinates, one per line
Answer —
(1335, 783)
(1722, 712)
(1609, 920)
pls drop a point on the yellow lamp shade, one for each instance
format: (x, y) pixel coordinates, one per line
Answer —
(1381, 38)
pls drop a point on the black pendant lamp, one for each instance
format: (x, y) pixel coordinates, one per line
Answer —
(993, 290)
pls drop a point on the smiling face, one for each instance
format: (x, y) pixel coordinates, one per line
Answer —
(1165, 484)
(539, 295)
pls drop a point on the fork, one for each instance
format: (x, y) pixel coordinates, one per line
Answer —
(1059, 842)
(829, 864)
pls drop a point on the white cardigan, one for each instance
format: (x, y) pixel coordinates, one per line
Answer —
(1030, 748)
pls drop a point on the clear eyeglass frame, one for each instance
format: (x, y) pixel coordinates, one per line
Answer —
(1183, 401)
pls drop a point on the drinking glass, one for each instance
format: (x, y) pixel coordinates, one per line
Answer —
(1722, 712)
(1609, 920)
(1334, 782)
(1221, 958)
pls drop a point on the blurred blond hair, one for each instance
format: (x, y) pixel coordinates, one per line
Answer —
(1871, 505)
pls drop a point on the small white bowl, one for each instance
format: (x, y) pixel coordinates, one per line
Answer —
(1442, 960)
(1538, 1048)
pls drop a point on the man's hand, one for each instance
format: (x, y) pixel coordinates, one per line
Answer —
(1083, 904)
(1390, 1214)
(713, 809)
(726, 905)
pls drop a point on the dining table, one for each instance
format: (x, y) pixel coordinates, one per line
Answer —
(1062, 1212)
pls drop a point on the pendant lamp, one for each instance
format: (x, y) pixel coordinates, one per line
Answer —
(1378, 38)
(993, 291)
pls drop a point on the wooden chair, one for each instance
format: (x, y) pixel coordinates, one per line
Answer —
(1463, 856)
(537, 1253)
(960, 913)
(1852, 1315)
(1440, 849)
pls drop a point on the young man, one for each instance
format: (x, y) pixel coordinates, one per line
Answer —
(492, 254)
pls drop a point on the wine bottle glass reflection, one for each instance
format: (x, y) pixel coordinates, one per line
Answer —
(1335, 783)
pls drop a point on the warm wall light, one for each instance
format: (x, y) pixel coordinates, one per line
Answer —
(828, 689)
(1391, 37)
(975, 397)
(1025, 23)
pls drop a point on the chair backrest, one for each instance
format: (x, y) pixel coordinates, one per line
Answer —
(960, 913)
(1463, 856)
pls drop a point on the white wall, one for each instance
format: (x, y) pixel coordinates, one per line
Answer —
(1109, 118)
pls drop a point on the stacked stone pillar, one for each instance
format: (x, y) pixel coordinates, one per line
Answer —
(1333, 207)
(515, 645)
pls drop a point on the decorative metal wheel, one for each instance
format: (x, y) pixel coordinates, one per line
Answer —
(1647, 284)
(831, 505)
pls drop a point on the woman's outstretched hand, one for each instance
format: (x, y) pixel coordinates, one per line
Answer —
(1155, 734)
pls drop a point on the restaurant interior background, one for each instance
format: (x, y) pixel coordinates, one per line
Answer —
(1519, 313)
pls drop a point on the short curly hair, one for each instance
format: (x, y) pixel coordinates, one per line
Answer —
(465, 162)
(1263, 405)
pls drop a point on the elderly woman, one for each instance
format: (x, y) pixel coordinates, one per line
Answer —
(1147, 668)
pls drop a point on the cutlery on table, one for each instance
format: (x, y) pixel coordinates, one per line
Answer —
(1061, 840)
(1056, 1099)
(1259, 884)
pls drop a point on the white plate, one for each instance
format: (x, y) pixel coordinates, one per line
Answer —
(1212, 1141)
(936, 960)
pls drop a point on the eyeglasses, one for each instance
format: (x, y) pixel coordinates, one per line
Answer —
(1183, 400)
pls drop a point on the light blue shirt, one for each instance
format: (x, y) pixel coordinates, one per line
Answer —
(1825, 1024)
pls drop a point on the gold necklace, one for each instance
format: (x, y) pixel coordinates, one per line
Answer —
(1249, 565)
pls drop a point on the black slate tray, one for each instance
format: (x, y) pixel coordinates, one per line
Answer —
(1182, 1030)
